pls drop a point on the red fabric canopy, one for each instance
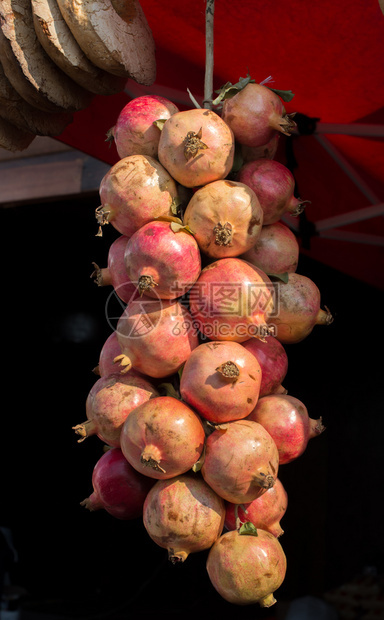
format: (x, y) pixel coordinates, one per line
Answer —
(331, 56)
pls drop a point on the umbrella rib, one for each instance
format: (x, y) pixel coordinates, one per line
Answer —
(348, 169)
(351, 129)
(354, 237)
(351, 217)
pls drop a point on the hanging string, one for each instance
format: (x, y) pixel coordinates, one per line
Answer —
(209, 61)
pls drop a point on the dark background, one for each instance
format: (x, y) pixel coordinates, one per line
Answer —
(89, 565)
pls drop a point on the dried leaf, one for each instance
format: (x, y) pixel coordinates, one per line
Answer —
(159, 123)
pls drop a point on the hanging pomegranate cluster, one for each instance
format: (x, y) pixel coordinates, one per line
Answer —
(189, 402)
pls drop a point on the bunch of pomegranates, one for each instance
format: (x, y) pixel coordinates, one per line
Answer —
(189, 403)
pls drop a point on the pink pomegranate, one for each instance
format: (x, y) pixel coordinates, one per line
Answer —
(110, 400)
(273, 361)
(115, 274)
(183, 515)
(274, 185)
(255, 114)
(225, 218)
(246, 569)
(232, 300)
(241, 461)
(276, 251)
(135, 131)
(109, 351)
(265, 512)
(221, 381)
(287, 421)
(136, 190)
(265, 151)
(117, 487)
(162, 439)
(298, 309)
(156, 336)
(163, 263)
(196, 147)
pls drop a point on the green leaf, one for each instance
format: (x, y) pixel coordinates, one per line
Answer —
(248, 529)
(169, 390)
(286, 95)
(279, 276)
(229, 89)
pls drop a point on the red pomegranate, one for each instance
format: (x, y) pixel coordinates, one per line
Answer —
(265, 151)
(274, 185)
(183, 515)
(135, 131)
(117, 487)
(163, 263)
(276, 250)
(232, 300)
(164, 439)
(241, 461)
(156, 336)
(247, 569)
(196, 147)
(255, 114)
(273, 360)
(110, 400)
(115, 274)
(221, 381)
(225, 218)
(264, 512)
(287, 421)
(136, 190)
(297, 309)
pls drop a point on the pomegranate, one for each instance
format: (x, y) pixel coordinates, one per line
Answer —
(276, 250)
(225, 217)
(264, 512)
(298, 309)
(196, 147)
(135, 131)
(183, 515)
(287, 421)
(221, 381)
(136, 190)
(247, 569)
(115, 274)
(162, 439)
(273, 361)
(274, 185)
(110, 349)
(117, 487)
(265, 151)
(156, 336)
(241, 461)
(232, 300)
(165, 264)
(110, 400)
(255, 114)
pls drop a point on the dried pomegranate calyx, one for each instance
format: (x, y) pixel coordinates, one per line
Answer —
(145, 283)
(223, 234)
(229, 371)
(287, 124)
(193, 144)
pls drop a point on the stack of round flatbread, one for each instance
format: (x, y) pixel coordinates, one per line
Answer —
(56, 55)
